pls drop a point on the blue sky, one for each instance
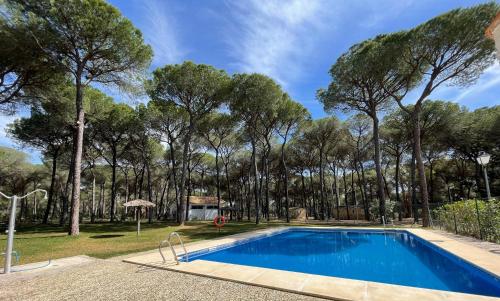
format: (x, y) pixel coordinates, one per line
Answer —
(295, 42)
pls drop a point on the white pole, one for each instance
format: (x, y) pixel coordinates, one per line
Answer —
(10, 235)
(488, 194)
(12, 224)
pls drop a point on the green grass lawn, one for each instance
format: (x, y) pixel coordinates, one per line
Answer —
(103, 240)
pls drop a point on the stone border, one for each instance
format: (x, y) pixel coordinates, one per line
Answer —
(333, 288)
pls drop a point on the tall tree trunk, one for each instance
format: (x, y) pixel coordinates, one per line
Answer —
(141, 181)
(65, 198)
(182, 183)
(353, 192)
(261, 186)
(101, 201)
(54, 206)
(150, 191)
(126, 187)
(279, 198)
(247, 193)
(386, 185)
(285, 178)
(113, 185)
(303, 189)
(256, 181)
(266, 160)
(364, 198)
(365, 189)
(337, 193)
(165, 189)
(74, 228)
(51, 189)
(322, 183)
(136, 177)
(92, 213)
(229, 196)
(378, 168)
(313, 209)
(396, 178)
(405, 199)
(189, 183)
(174, 179)
(346, 198)
(431, 180)
(217, 179)
(413, 181)
(202, 182)
(421, 169)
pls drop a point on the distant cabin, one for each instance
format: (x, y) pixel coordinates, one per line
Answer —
(203, 207)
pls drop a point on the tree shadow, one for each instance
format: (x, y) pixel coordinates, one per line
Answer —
(100, 227)
(106, 236)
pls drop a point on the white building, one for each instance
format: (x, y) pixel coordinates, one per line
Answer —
(203, 207)
(493, 32)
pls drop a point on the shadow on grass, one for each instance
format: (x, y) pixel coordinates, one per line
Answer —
(106, 236)
(101, 227)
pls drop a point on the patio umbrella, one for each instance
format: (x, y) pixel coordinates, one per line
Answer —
(139, 204)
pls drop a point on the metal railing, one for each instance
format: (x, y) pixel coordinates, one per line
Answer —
(168, 241)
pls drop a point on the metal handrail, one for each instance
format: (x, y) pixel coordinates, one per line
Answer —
(172, 248)
(182, 244)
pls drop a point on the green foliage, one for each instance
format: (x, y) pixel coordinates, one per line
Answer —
(477, 131)
(167, 121)
(391, 208)
(291, 115)
(196, 88)
(216, 127)
(253, 98)
(89, 39)
(112, 126)
(11, 162)
(452, 47)
(24, 67)
(366, 77)
(324, 132)
(463, 214)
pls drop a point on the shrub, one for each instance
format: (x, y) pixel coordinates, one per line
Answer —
(390, 207)
(461, 217)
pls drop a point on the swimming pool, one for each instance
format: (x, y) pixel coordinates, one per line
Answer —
(395, 257)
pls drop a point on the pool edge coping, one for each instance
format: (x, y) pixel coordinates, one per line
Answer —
(371, 290)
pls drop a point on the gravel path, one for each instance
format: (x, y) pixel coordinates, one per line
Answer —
(115, 280)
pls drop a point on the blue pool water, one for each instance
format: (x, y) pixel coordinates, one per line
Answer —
(395, 257)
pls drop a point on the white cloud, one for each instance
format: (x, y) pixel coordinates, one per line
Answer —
(475, 95)
(159, 28)
(270, 36)
(490, 78)
(4, 120)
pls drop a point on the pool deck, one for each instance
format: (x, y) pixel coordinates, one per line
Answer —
(321, 286)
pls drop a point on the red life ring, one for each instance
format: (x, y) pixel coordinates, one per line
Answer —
(219, 221)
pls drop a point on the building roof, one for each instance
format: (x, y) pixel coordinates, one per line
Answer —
(494, 24)
(204, 200)
(139, 203)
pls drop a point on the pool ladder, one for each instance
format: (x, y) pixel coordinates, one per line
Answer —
(167, 241)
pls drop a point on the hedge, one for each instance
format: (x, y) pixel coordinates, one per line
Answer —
(461, 217)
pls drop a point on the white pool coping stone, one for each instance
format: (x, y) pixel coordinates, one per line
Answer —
(333, 288)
